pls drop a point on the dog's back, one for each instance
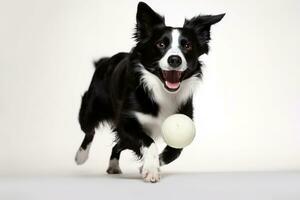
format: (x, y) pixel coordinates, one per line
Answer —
(98, 102)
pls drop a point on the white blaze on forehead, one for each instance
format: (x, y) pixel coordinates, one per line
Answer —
(172, 51)
(175, 41)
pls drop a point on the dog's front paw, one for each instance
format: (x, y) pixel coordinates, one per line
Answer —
(150, 174)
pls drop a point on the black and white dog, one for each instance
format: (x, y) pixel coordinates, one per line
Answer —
(136, 91)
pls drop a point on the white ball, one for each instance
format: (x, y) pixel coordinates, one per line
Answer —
(178, 130)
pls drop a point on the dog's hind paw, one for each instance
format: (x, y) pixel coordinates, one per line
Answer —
(114, 167)
(112, 170)
(82, 155)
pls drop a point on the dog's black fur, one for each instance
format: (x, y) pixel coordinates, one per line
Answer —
(117, 90)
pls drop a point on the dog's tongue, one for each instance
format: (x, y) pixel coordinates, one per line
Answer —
(172, 85)
(172, 78)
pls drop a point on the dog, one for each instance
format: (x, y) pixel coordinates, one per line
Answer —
(136, 91)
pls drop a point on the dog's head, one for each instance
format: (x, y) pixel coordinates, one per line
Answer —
(172, 53)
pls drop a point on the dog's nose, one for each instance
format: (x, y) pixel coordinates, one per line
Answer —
(174, 61)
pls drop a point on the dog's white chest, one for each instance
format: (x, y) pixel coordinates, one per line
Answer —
(168, 103)
(152, 124)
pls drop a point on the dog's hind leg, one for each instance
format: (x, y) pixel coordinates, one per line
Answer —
(94, 109)
(114, 167)
(88, 123)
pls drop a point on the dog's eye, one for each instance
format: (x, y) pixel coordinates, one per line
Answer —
(188, 46)
(161, 45)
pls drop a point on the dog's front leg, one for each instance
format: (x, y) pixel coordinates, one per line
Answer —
(150, 169)
(133, 137)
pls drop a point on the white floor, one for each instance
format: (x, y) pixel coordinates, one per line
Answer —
(183, 186)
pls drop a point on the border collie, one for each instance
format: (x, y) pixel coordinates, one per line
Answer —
(136, 91)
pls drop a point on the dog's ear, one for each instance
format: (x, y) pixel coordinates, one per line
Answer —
(201, 25)
(146, 20)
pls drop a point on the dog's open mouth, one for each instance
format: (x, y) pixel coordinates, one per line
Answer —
(172, 79)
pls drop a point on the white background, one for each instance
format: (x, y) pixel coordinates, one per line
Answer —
(246, 109)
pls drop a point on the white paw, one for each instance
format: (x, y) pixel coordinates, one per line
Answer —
(82, 155)
(150, 168)
(151, 174)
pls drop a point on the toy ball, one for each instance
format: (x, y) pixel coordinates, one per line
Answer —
(178, 130)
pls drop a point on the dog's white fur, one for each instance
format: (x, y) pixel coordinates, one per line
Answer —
(150, 168)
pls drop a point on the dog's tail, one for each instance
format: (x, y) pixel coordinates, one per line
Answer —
(100, 62)
(114, 60)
